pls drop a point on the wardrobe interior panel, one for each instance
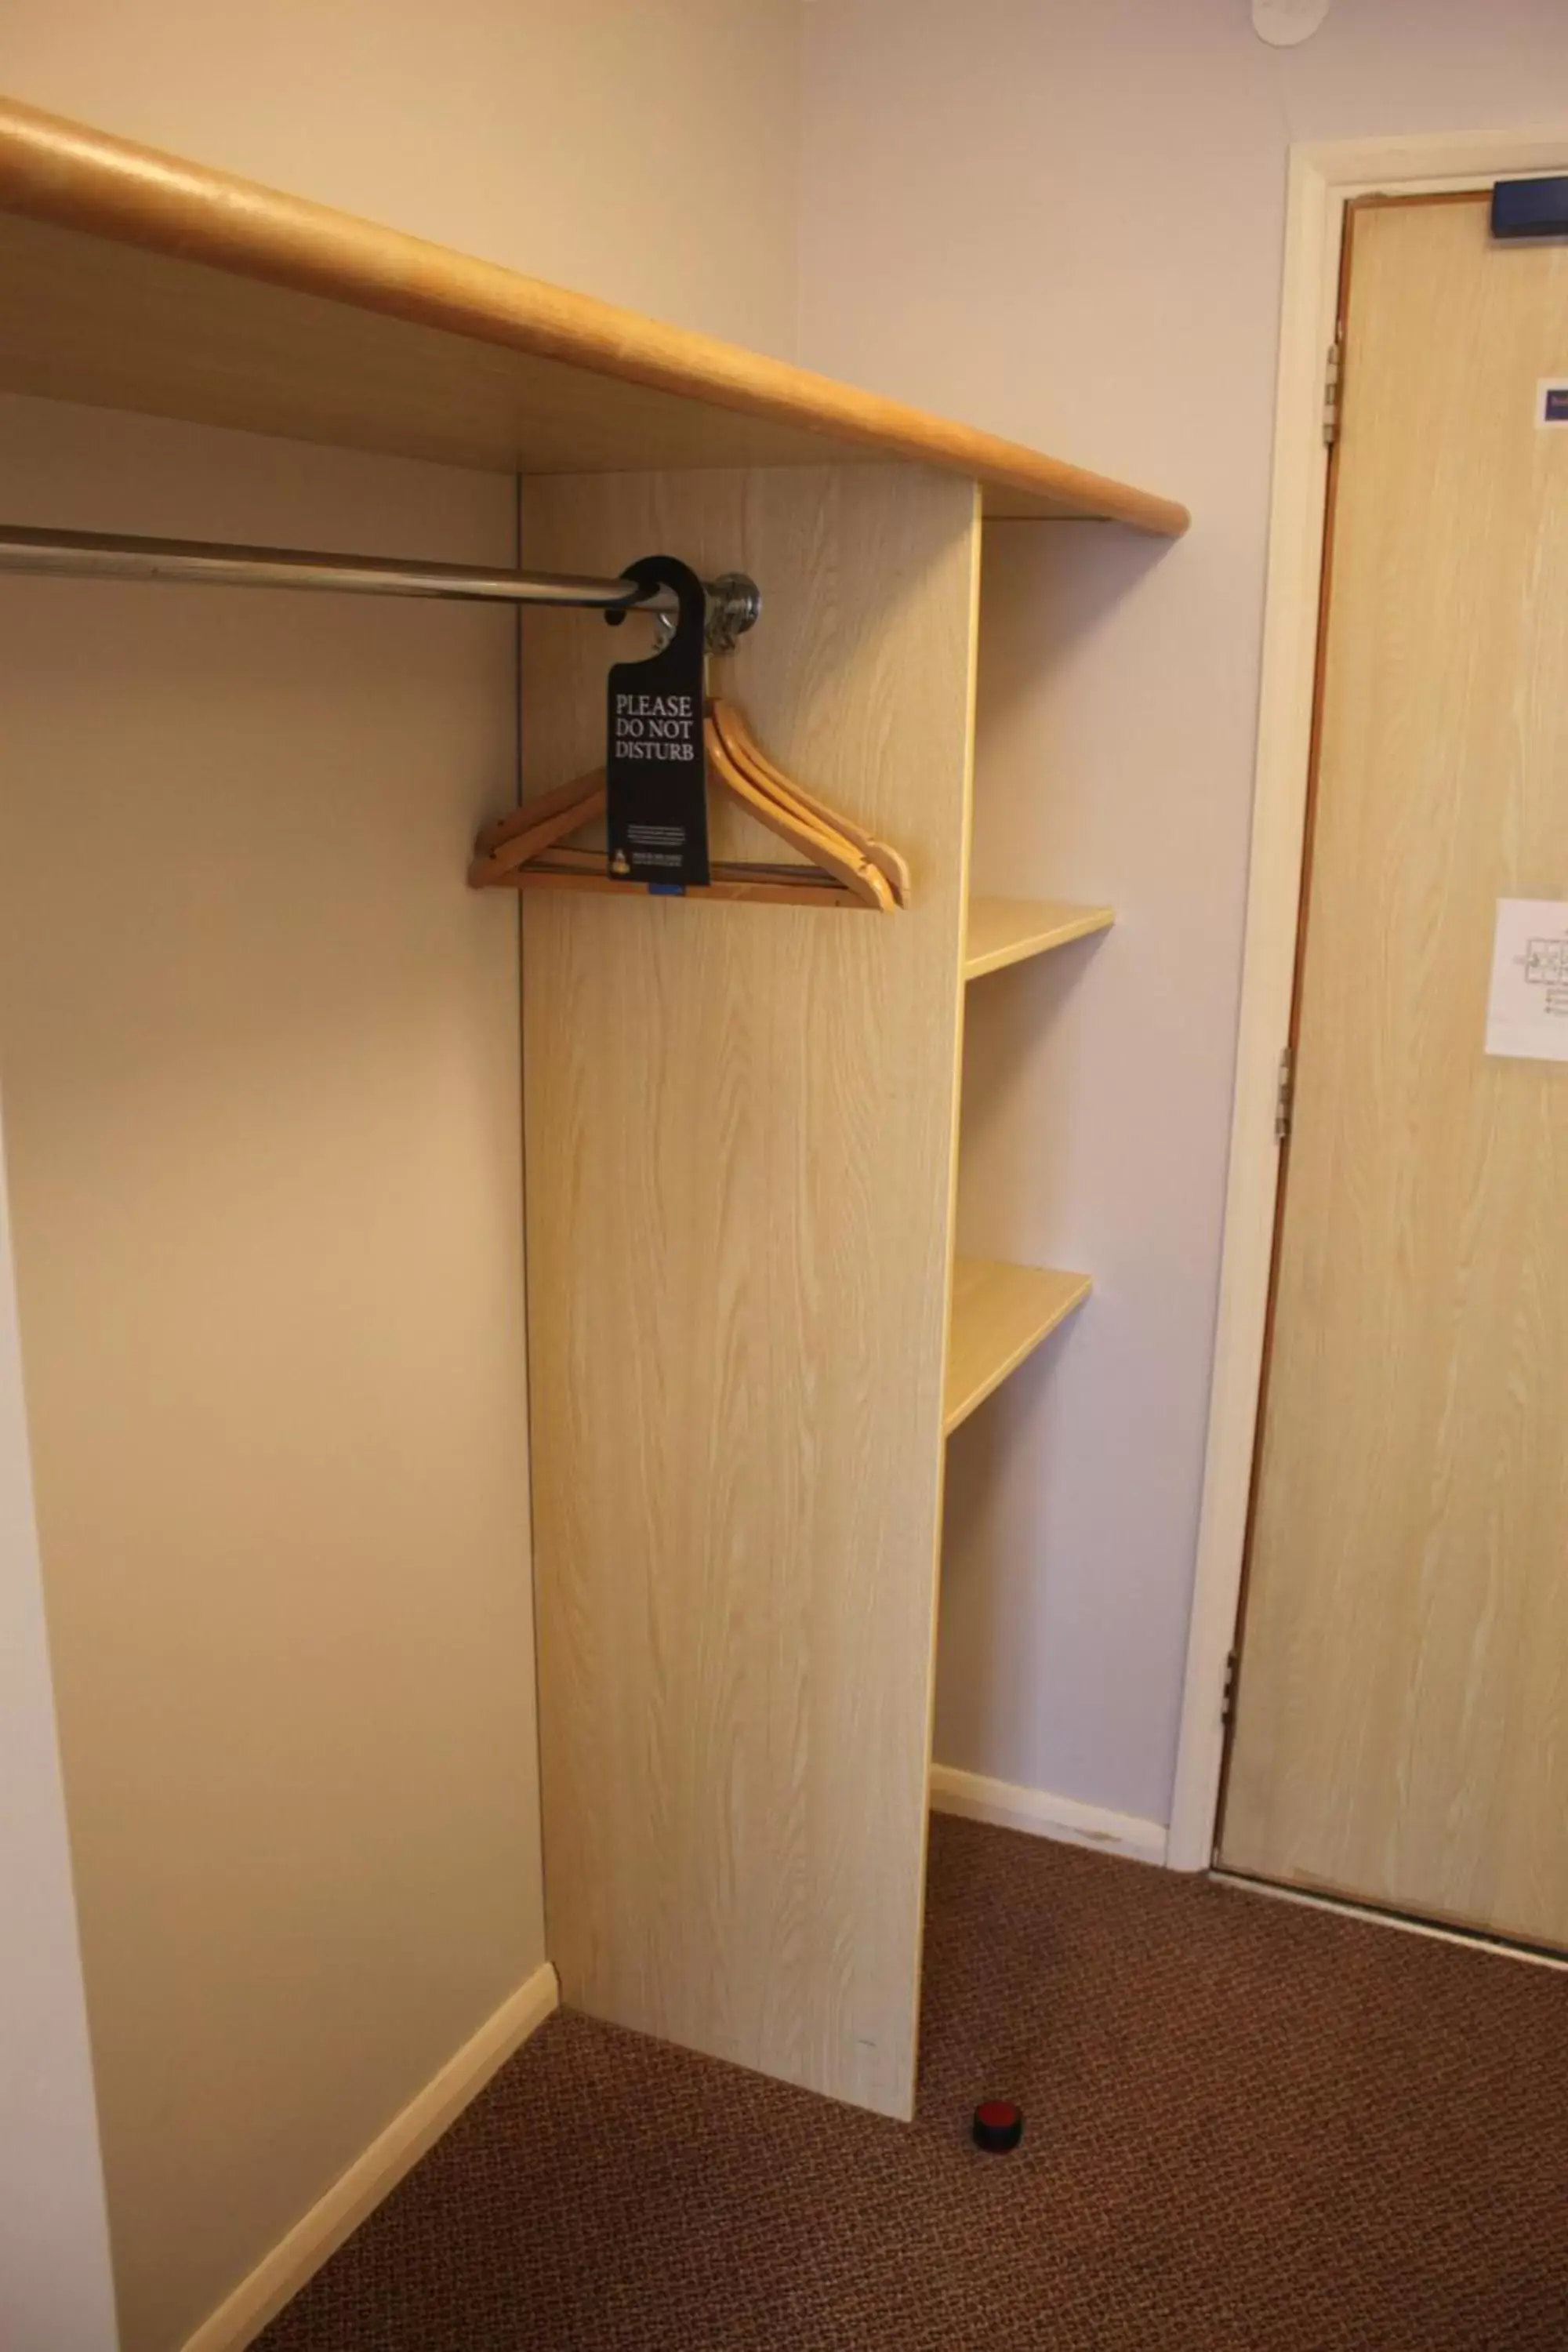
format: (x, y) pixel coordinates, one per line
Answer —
(258, 1049)
(740, 1131)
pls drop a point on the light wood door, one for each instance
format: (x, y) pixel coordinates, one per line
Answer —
(1401, 1716)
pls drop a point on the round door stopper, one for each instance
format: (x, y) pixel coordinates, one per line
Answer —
(998, 2127)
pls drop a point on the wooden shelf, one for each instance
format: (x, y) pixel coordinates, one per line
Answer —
(1007, 930)
(1000, 1315)
(131, 279)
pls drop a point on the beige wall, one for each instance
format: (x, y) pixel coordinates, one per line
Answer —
(55, 2281)
(1066, 222)
(641, 150)
(258, 1054)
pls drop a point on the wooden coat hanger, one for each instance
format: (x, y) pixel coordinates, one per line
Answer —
(823, 844)
(744, 749)
(513, 839)
(849, 869)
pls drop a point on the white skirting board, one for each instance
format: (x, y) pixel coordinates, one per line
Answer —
(976, 1798)
(279, 2275)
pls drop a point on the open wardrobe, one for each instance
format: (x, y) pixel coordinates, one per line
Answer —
(291, 1229)
(778, 1517)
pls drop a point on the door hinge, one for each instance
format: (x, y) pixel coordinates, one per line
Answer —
(1332, 381)
(1227, 1696)
(1285, 1097)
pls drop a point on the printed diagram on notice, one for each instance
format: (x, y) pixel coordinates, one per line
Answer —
(1526, 1009)
(1546, 966)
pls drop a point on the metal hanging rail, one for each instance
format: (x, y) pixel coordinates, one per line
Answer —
(733, 601)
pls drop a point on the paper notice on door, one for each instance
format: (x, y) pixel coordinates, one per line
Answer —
(1527, 1012)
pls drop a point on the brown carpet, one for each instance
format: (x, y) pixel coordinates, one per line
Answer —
(1249, 2126)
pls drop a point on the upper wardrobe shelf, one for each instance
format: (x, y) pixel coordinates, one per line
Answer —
(131, 279)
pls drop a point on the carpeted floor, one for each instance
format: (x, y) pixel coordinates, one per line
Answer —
(1250, 2125)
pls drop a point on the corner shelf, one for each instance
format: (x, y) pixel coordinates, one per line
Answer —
(1008, 930)
(999, 1316)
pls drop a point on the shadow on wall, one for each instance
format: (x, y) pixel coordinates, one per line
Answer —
(1046, 587)
(994, 1593)
(1018, 1031)
(1057, 701)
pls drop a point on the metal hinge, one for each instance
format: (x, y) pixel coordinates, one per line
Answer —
(1228, 1698)
(1331, 390)
(1285, 1097)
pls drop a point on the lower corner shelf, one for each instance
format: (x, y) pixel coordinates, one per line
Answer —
(1007, 930)
(1000, 1315)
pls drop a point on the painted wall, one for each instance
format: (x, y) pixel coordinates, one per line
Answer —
(259, 1055)
(1066, 222)
(54, 2281)
(641, 150)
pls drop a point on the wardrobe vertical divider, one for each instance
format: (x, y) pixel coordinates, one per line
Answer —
(740, 1137)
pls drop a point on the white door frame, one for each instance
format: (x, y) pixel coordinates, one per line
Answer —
(1322, 181)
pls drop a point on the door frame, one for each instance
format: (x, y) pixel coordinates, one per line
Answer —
(1324, 177)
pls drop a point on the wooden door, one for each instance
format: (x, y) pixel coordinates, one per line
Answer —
(1402, 1712)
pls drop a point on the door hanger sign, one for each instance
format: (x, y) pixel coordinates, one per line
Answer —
(654, 775)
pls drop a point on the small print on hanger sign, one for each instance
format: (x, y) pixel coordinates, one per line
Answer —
(654, 772)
